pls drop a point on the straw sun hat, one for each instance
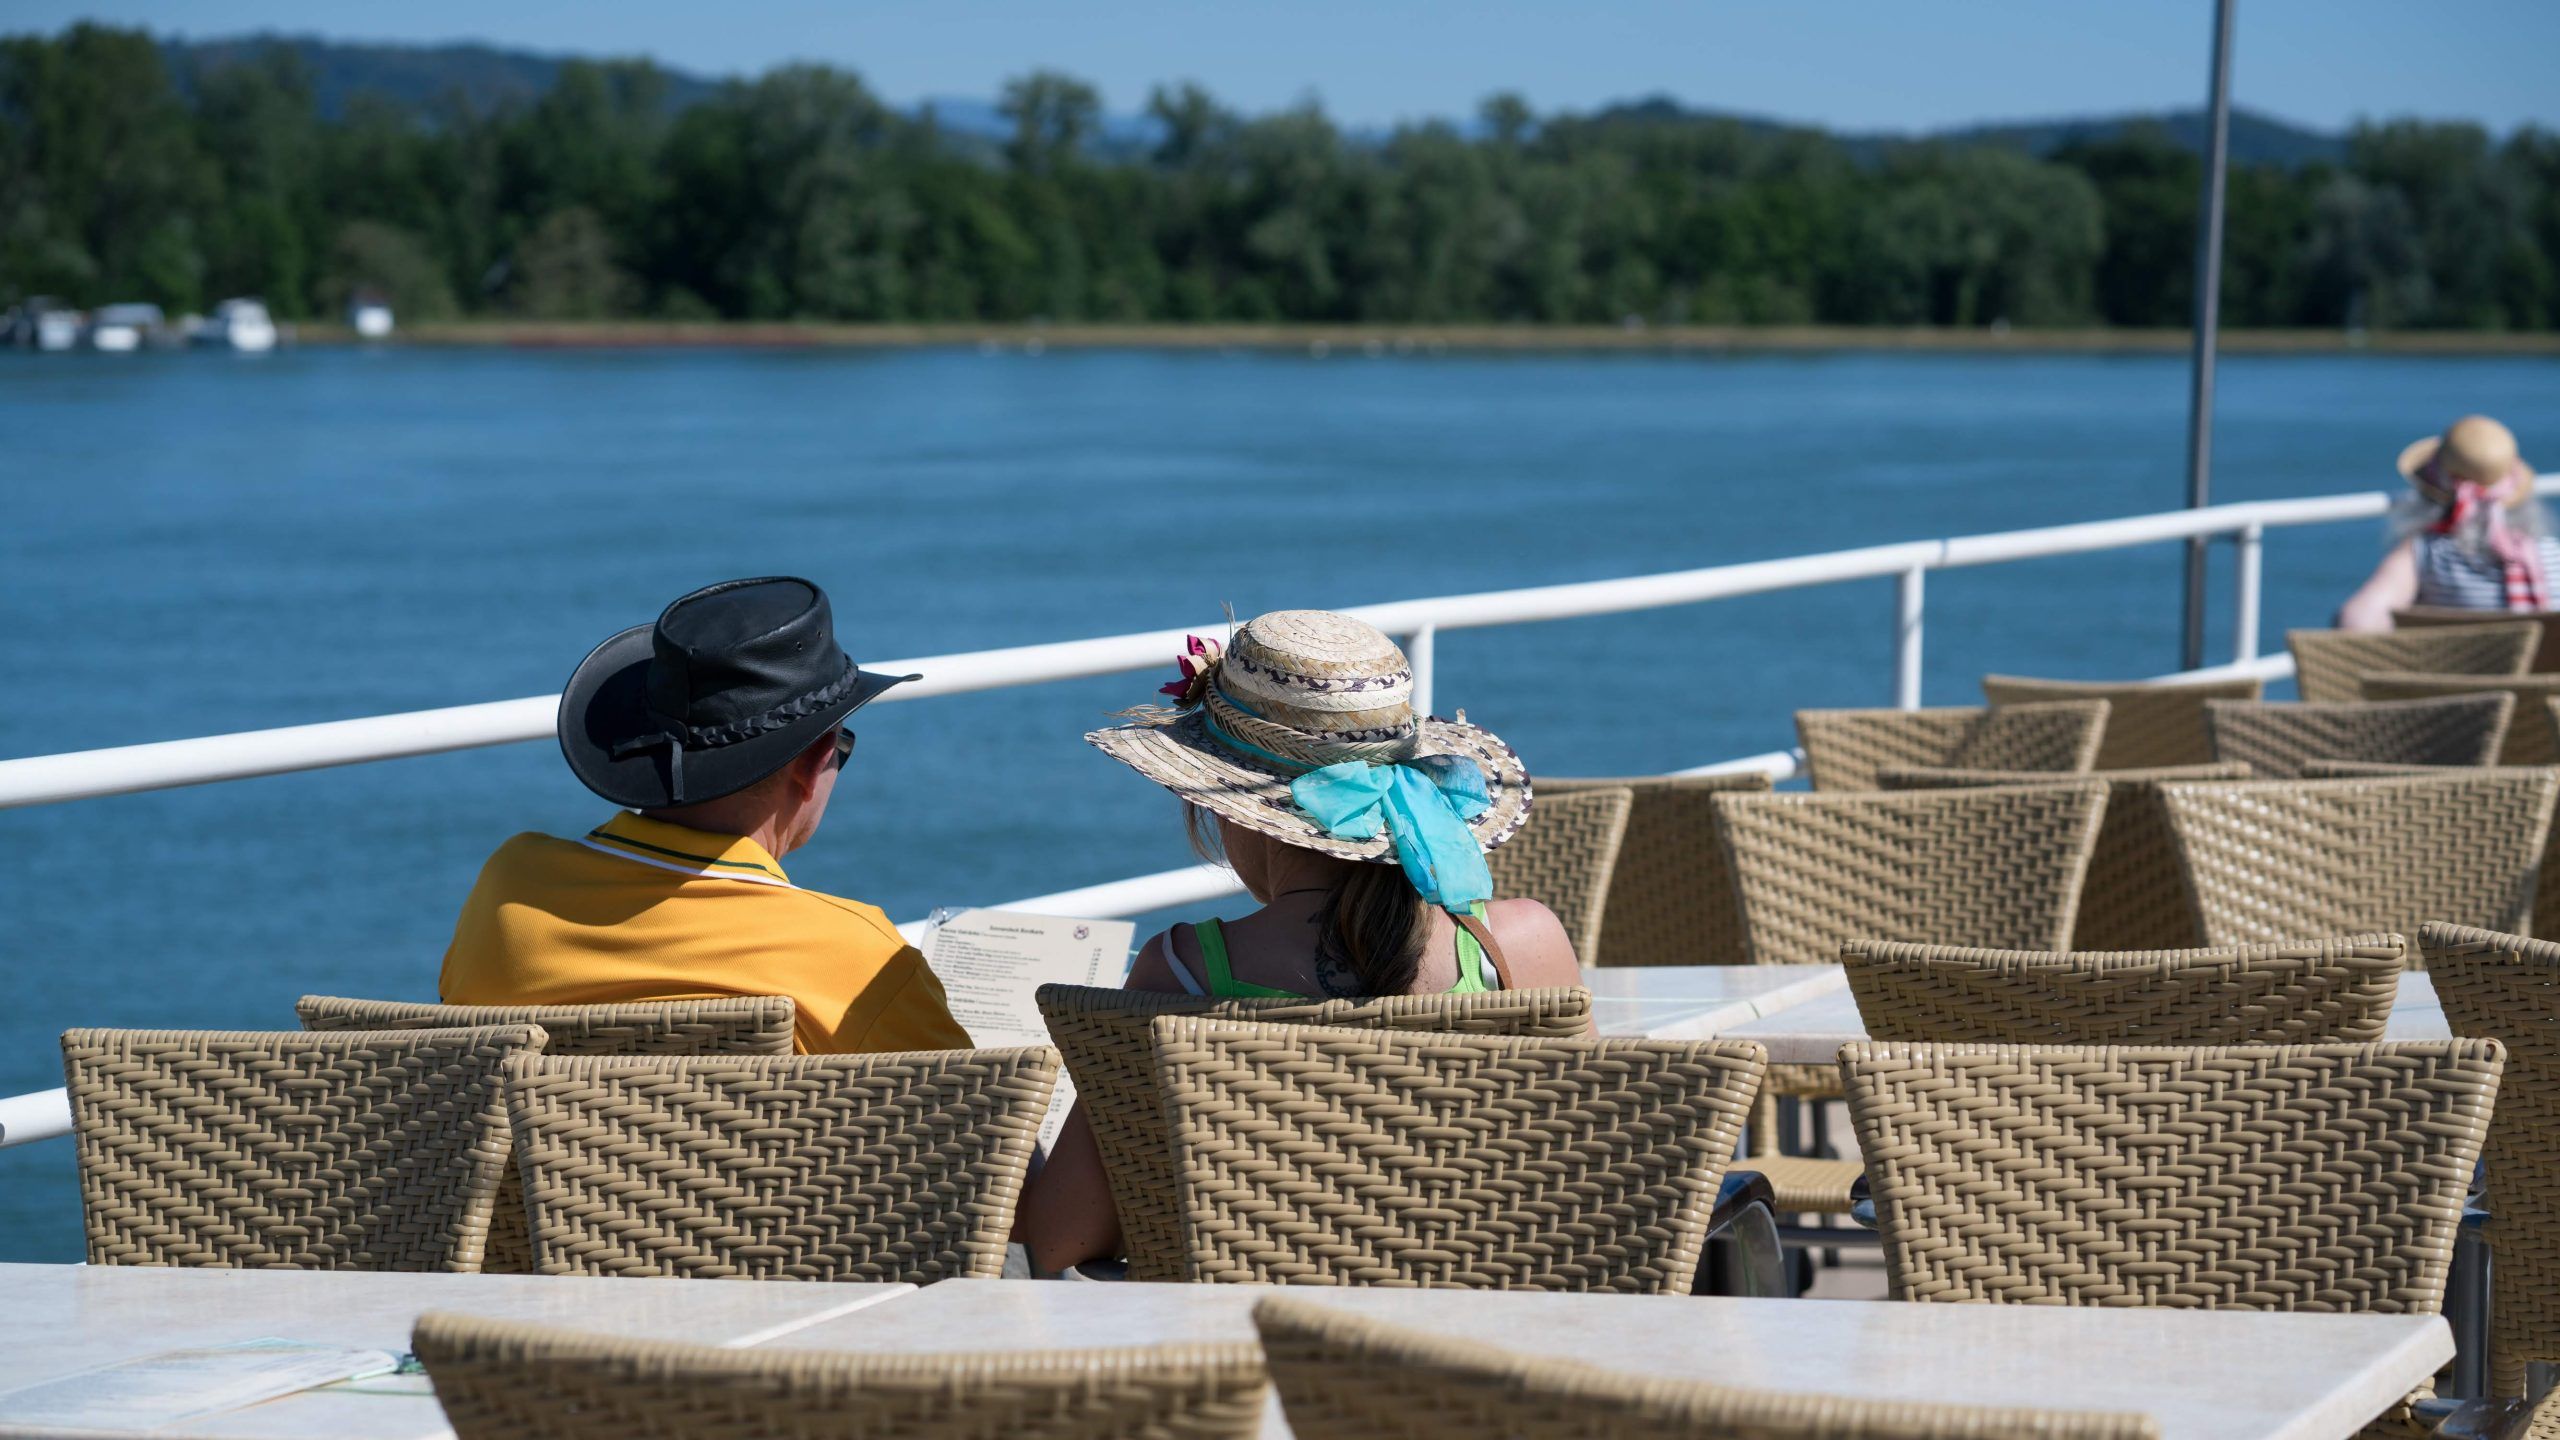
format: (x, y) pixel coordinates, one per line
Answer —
(2474, 448)
(1292, 692)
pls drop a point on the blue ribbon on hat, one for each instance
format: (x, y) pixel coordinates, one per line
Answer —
(1424, 805)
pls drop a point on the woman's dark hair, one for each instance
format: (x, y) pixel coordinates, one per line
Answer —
(1372, 924)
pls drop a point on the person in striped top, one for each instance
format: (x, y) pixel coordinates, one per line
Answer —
(2470, 535)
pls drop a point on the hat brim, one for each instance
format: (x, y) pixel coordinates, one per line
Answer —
(2415, 456)
(607, 702)
(1183, 758)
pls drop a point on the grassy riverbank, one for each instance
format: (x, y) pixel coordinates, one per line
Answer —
(1428, 339)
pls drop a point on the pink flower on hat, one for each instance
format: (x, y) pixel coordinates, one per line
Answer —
(1198, 665)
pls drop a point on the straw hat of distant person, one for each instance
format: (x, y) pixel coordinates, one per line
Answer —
(2474, 448)
(1293, 692)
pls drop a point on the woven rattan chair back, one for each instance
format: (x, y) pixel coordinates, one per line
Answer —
(1671, 896)
(2258, 1177)
(2276, 740)
(2329, 666)
(2530, 738)
(2309, 993)
(281, 1150)
(1845, 748)
(2275, 860)
(2135, 898)
(899, 1167)
(729, 1025)
(1329, 1156)
(1341, 1374)
(2148, 725)
(1564, 859)
(2546, 884)
(2546, 653)
(2507, 988)
(1103, 1036)
(506, 1380)
(1999, 867)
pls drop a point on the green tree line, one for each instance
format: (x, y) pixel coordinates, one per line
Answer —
(801, 195)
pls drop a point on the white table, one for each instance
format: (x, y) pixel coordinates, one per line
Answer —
(1812, 1031)
(56, 1320)
(1694, 1002)
(2202, 1375)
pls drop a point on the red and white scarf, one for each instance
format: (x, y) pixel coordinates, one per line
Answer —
(2520, 555)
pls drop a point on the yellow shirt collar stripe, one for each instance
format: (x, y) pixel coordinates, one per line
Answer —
(675, 847)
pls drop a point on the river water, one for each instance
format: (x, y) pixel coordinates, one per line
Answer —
(196, 543)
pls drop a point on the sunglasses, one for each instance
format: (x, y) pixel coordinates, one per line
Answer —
(844, 747)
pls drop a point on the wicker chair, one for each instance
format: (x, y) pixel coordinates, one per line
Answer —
(2274, 860)
(1564, 859)
(800, 1167)
(2001, 867)
(2546, 883)
(2546, 653)
(1103, 1035)
(1340, 1374)
(2259, 1177)
(1671, 896)
(2507, 988)
(2310, 993)
(279, 1150)
(730, 1025)
(506, 1380)
(2275, 741)
(2329, 666)
(2530, 738)
(1329, 1156)
(1845, 748)
(2148, 725)
(2135, 898)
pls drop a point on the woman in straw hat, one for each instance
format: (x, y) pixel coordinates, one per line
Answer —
(2470, 534)
(1358, 826)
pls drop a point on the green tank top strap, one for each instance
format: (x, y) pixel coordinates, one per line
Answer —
(1221, 980)
(1472, 969)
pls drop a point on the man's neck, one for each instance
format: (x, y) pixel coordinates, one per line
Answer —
(720, 817)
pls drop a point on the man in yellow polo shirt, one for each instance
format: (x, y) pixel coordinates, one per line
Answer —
(720, 730)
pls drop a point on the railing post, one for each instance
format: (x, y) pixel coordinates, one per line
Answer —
(1908, 600)
(2244, 604)
(1417, 652)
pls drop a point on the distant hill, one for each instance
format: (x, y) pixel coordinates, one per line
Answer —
(485, 77)
(2256, 139)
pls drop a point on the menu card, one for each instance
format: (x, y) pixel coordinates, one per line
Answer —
(179, 1385)
(992, 962)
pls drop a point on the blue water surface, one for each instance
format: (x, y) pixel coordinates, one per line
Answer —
(194, 543)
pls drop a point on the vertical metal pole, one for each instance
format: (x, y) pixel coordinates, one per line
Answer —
(1417, 653)
(2244, 603)
(1909, 596)
(2207, 323)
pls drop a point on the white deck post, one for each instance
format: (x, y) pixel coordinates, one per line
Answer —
(1417, 652)
(2244, 606)
(1909, 597)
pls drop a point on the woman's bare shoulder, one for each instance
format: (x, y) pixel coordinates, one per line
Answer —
(1151, 970)
(1534, 942)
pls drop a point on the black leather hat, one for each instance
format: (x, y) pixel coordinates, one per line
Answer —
(730, 683)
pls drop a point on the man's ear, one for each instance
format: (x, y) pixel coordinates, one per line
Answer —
(810, 765)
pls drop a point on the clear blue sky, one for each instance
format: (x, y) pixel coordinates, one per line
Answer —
(1857, 64)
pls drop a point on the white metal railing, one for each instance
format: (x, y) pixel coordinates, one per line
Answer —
(47, 779)
(50, 779)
